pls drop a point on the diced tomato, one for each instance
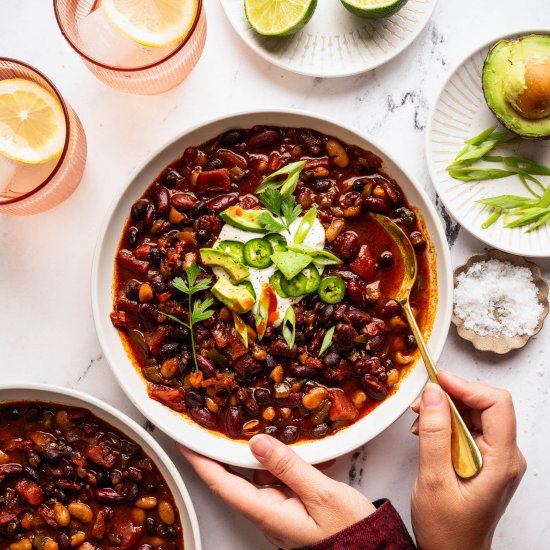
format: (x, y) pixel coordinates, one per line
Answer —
(363, 265)
(102, 455)
(10, 513)
(30, 491)
(129, 533)
(214, 181)
(154, 340)
(172, 398)
(341, 407)
(47, 514)
(221, 335)
(99, 527)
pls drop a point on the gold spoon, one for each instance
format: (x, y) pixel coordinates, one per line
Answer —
(466, 457)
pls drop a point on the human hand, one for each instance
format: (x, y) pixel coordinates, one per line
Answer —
(309, 509)
(449, 512)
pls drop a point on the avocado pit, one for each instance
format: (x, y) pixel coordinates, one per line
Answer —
(534, 102)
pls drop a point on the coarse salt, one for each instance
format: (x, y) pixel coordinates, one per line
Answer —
(497, 298)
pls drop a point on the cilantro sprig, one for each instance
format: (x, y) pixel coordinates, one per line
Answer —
(282, 211)
(199, 310)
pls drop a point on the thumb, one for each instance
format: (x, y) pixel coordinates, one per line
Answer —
(434, 435)
(280, 460)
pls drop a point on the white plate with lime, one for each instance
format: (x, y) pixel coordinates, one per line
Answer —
(335, 42)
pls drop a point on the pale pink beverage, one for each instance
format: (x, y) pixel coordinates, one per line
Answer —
(120, 62)
(32, 188)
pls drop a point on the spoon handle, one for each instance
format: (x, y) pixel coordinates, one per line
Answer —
(467, 460)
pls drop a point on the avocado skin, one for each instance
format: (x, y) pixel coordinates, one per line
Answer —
(512, 121)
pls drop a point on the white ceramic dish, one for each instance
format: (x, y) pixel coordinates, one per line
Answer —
(65, 396)
(188, 432)
(459, 113)
(335, 42)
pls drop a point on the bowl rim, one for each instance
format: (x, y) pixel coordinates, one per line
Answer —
(175, 480)
(443, 266)
(429, 128)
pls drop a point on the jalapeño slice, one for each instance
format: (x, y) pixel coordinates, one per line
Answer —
(332, 289)
(275, 282)
(278, 242)
(235, 248)
(306, 282)
(313, 278)
(257, 253)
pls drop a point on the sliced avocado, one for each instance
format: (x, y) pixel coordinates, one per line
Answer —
(516, 84)
(236, 298)
(243, 219)
(236, 271)
(291, 263)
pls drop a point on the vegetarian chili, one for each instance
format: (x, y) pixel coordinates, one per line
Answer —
(313, 340)
(70, 480)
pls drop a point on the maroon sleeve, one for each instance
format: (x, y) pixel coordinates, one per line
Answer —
(382, 530)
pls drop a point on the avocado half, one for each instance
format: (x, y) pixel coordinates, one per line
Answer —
(516, 84)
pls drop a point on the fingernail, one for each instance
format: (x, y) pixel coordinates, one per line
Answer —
(260, 445)
(432, 396)
(414, 428)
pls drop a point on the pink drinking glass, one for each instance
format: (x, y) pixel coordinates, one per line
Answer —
(153, 78)
(66, 172)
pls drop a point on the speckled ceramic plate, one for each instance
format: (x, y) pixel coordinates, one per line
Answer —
(335, 42)
(459, 114)
(502, 344)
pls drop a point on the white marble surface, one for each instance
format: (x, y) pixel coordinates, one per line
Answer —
(46, 329)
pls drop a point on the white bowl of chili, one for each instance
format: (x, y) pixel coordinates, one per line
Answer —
(34, 412)
(437, 310)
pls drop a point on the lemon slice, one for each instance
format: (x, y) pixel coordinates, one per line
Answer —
(152, 23)
(32, 122)
(278, 17)
(373, 9)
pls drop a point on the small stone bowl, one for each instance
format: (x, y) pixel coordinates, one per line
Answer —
(502, 344)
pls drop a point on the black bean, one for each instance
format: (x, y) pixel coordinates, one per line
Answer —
(172, 178)
(132, 289)
(31, 473)
(132, 492)
(271, 430)
(212, 164)
(150, 525)
(410, 342)
(60, 495)
(169, 349)
(386, 259)
(52, 453)
(149, 316)
(270, 362)
(185, 362)
(198, 209)
(231, 138)
(132, 236)
(63, 541)
(193, 398)
(289, 434)
(139, 209)
(373, 387)
(13, 528)
(322, 185)
(149, 217)
(202, 236)
(319, 431)
(325, 314)
(331, 360)
(262, 396)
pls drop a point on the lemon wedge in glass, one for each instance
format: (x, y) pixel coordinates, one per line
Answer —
(152, 23)
(32, 122)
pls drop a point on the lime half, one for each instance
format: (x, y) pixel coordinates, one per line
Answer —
(278, 17)
(373, 9)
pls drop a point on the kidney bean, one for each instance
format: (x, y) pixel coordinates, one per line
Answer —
(247, 399)
(373, 387)
(372, 204)
(280, 348)
(262, 396)
(346, 246)
(390, 309)
(12, 469)
(265, 138)
(107, 494)
(302, 371)
(324, 314)
(356, 293)
(183, 201)
(148, 315)
(149, 217)
(289, 434)
(206, 366)
(67, 485)
(161, 196)
(319, 431)
(375, 342)
(405, 217)
(204, 417)
(344, 338)
(369, 366)
(293, 400)
(193, 398)
(220, 203)
(358, 317)
(172, 178)
(234, 422)
(212, 164)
